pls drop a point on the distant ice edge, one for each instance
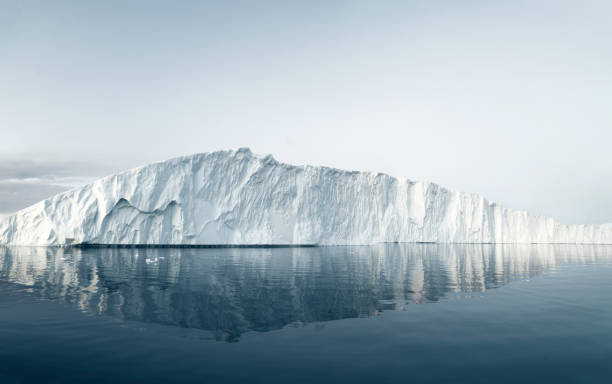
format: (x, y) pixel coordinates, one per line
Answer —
(237, 198)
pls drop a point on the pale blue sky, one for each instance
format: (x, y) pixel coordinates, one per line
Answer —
(510, 99)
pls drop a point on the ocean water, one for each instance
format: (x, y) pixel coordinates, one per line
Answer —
(409, 313)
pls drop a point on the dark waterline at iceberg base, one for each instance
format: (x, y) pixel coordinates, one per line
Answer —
(423, 313)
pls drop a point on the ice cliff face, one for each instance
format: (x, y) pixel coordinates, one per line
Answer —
(236, 197)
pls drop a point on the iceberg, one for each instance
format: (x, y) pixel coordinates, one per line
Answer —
(238, 198)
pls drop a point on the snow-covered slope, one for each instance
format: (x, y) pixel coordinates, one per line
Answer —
(236, 197)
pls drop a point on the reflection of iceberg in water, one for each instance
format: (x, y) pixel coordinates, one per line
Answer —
(231, 291)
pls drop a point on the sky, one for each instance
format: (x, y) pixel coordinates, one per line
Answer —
(509, 99)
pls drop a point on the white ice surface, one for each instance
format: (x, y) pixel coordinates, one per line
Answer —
(236, 197)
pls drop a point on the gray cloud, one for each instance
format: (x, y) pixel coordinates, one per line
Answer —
(14, 195)
(42, 169)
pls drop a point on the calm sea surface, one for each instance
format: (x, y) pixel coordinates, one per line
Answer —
(420, 313)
